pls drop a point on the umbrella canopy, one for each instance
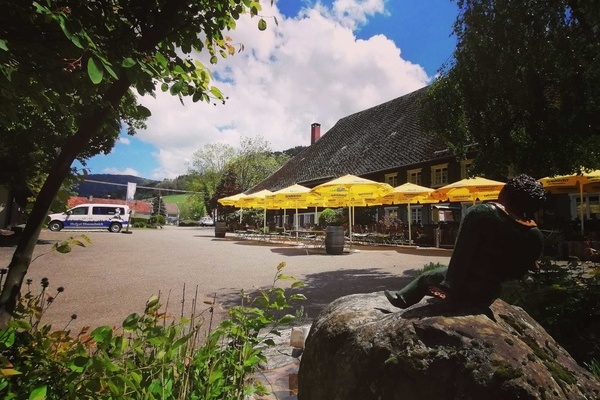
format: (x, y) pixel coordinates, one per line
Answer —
(574, 183)
(257, 200)
(231, 200)
(351, 191)
(351, 187)
(409, 193)
(470, 189)
(294, 197)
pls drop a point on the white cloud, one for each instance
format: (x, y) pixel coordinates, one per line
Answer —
(310, 68)
(124, 140)
(116, 171)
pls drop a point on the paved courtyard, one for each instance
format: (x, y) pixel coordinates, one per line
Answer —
(115, 274)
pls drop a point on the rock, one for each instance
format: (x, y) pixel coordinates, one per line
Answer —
(360, 347)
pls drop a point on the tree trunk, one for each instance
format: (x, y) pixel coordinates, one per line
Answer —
(22, 256)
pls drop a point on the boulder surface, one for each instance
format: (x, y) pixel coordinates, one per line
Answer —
(362, 348)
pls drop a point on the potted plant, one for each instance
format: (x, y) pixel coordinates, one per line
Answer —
(334, 232)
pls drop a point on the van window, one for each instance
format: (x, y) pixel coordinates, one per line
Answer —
(108, 210)
(80, 211)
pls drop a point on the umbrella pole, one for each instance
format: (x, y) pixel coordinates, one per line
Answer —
(265, 221)
(409, 230)
(581, 206)
(296, 227)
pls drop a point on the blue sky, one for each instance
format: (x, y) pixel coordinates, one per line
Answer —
(323, 61)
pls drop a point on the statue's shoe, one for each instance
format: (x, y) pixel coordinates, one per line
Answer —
(397, 301)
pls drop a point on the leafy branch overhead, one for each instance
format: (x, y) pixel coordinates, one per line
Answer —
(76, 68)
(523, 87)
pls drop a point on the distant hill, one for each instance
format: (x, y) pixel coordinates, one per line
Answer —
(115, 186)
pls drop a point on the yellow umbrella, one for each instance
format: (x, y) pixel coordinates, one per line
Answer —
(470, 189)
(351, 191)
(256, 200)
(231, 200)
(409, 193)
(294, 196)
(588, 180)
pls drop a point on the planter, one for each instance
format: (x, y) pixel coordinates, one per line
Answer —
(220, 229)
(334, 240)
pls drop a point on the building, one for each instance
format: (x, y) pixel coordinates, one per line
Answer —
(384, 143)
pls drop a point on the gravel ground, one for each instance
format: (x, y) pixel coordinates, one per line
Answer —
(115, 274)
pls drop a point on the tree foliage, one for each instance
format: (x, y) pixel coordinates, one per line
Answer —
(158, 206)
(523, 88)
(215, 164)
(86, 61)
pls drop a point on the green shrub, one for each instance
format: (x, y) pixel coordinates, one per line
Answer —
(331, 217)
(154, 357)
(565, 300)
(157, 220)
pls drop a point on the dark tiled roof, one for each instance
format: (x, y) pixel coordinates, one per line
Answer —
(384, 137)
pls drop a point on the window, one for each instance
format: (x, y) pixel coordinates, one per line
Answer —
(79, 211)
(416, 214)
(465, 166)
(439, 175)
(414, 176)
(392, 179)
(107, 210)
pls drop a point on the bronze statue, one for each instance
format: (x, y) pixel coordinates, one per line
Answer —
(496, 242)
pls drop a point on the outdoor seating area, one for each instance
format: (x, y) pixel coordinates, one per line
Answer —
(581, 239)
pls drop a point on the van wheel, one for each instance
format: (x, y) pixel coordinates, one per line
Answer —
(55, 226)
(115, 227)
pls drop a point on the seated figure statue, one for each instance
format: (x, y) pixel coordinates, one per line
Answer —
(496, 242)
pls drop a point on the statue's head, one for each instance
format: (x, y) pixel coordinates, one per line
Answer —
(522, 196)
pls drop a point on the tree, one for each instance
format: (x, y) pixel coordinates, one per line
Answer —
(250, 164)
(523, 88)
(255, 161)
(228, 186)
(158, 206)
(85, 60)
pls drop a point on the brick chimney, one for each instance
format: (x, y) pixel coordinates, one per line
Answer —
(315, 132)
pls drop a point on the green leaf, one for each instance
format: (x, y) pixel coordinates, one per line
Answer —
(95, 70)
(3, 45)
(297, 284)
(110, 71)
(143, 112)
(286, 319)
(161, 60)
(262, 25)
(63, 248)
(102, 334)
(176, 88)
(131, 322)
(128, 62)
(38, 393)
(7, 337)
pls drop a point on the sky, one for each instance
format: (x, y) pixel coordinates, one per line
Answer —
(322, 61)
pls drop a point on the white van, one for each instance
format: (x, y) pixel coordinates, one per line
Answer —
(113, 217)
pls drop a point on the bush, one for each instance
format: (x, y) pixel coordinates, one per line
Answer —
(153, 358)
(331, 217)
(565, 300)
(157, 220)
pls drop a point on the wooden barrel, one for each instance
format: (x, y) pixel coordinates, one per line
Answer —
(334, 240)
(220, 229)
